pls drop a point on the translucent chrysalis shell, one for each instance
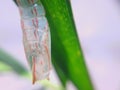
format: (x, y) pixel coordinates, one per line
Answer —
(36, 38)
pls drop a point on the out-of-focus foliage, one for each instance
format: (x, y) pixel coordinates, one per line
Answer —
(7, 62)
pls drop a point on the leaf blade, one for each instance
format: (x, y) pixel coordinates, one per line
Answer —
(66, 49)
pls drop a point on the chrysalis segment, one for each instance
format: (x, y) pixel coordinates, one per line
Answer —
(36, 38)
(26, 3)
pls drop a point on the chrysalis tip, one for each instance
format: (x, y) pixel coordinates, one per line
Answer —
(34, 76)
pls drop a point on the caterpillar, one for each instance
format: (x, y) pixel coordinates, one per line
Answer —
(36, 38)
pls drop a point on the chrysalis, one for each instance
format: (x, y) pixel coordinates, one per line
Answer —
(36, 38)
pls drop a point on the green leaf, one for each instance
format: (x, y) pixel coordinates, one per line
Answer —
(12, 63)
(66, 51)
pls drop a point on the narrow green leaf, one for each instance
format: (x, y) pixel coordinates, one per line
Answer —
(12, 63)
(60, 73)
(66, 49)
